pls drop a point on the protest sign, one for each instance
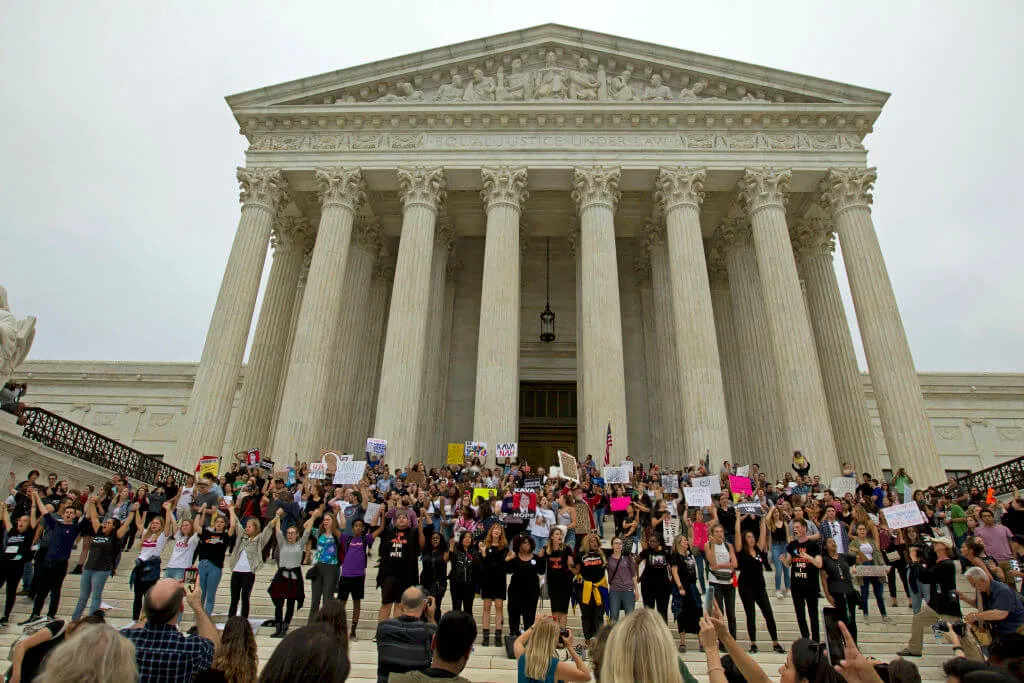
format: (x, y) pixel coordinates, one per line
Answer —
(532, 483)
(570, 468)
(620, 503)
(740, 485)
(671, 531)
(475, 449)
(597, 481)
(378, 448)
(743, 471)
(349, 472)
(749, 509)
(371, 512)
(346, 457)
(456, 453)
(318, 470)
(843, 485)
(712, 484)
(628, 466)
(208, 464)
(267, 465)
(862, 570)
(615, 475)
(505, 452)
(670, 483)
(902, 516)
(697, 496)
(524, 504)
(252, 457)
(554, 472)
(484, 493)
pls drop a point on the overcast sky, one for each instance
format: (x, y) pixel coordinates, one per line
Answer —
(119, 202)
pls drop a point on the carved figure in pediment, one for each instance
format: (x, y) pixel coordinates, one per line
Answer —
(450, 92)
(551, 81)
(516, 85)
(583, 85)
(657, 91)
(406, 93)
(480, 89)
(16, 337)
(619, 88)
(751, 97)
(693, 94)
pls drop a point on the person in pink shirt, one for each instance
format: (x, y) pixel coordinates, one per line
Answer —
(699, 532)
(996, 538)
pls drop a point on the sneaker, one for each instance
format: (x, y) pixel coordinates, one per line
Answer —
(33, 619)
(866, 619)
(682, 648)
(886, 619)
(779, 594)
(779, 649)
(3, 621)
(905, 652)
(753, 648)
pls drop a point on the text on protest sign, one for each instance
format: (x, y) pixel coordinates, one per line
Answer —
(371, 512)
(671, 530)
(507, 451)
(475, 449)
(377, 447)
(532, 483)
(712, 484)
(456, 453)
(628, 466)
(349, 472)
(524, 504)
(570, 468)
(902, 516)
(743, 471)
(615, 475)
(346, 457)
(670, 483)
(749, 509)
(698, 496)
(870, 570)
(843, 485)
(318, 470)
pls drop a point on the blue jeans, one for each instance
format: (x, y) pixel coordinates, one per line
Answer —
(699, 557)
(209, 579)
(781, 570)
(171, 573)
(621, 600)
(920, 596)
(879, 594)
(92, 583)
(599, 520)
(541, 541)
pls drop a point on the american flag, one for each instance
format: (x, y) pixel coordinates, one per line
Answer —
(608, 446)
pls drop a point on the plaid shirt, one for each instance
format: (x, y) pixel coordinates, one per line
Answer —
(164, 655)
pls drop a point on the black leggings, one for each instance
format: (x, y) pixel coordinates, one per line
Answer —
(898, 567)
(759, 597)
(656, 597)
(10, 574)
(846, 607)
(806, 603)
(241, 587)
(725, 598)
(462, 597)
(280, 615)
(140, 592)
(49, 580)
(593, 617)
(521, 606)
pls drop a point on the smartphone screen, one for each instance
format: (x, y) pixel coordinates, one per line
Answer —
(836, 642)
(191, 576)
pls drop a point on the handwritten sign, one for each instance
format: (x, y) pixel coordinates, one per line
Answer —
(378, 448)
(671, 530)
(475, 449)
(456, 453)
(870, 570)
(843, 485)
(670, 483)
(506, 451)
(713, 484)
(349, 472)
(570, 468)
(485, 494)
(628, 466)
(615, 475)
(318, 470)
(697, 496)
(267, 465)
(532, 483)
(902, 516)
(620, 503)
(208, 464)
(743, 471)
(749, 509)
(371, 512)
(739, 485)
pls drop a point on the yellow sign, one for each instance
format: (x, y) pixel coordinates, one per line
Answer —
(456, 453)
(484, 493)
(208, 464)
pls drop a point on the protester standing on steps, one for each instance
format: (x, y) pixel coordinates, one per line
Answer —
(287, 586)
(399, 554)
(146, 571)
(323, 575)
(186, 540)
(49, 577)
(868, 555)
(213, 545)
(100, 562)
(685, 599)
(20, 535)
(751, 559)
(493, 580)
(655, 584)
(722, 565)
(246, 559)
(803, 557)
(837, 584)
(623, 581)
(464, 560)
(353, 570)
(434, 577)
(524, 570)
(778, 526)
(593, 586)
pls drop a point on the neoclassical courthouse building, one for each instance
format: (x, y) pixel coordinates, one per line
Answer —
(676, 214)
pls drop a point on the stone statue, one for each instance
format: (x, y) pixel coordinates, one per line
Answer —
(406, 93)
(582, 84)
(619, 88)
(550, 80)
(515, 86)
(480, 89)
(16, 338)
(656, 92)
(693, 94)
(450, 92)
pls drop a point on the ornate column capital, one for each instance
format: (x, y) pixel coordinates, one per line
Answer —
(846, 188)
(596, 185)
(679, 186)
(733, 231)
(423, 186)
(366, 233)
(811, 236)
(264, 187)
(341, 186)
(763, 187)
(291, 233)
(504, 186)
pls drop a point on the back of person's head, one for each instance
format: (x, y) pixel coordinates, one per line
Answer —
(413, 599)
(732, 672)
(95, 653)
(956, 669)
(903, 671)
(641, 649)
(540, 648)
(811, 662)
(332, 614)
(989, 675)
(597, 648)
(1008, 647)
(163, 602)
(307, 655)
(237, 655)
(454, 638)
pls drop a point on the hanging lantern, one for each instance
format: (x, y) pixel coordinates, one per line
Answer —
(547, 317)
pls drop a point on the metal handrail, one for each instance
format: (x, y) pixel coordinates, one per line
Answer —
(1006, 477)
(61, 434)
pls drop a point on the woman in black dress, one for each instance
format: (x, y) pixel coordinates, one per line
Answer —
(685, 598)
(524, 570)
(464, 563)
(655, 586)
(558, 566)
(434, 574)
(492, 579)
(751, 560)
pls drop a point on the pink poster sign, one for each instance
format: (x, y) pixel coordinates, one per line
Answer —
(620, 503)
(740, 485)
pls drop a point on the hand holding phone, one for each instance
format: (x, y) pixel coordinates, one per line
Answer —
(191, 577)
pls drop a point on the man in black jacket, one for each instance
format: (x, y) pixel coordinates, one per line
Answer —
(404, 644)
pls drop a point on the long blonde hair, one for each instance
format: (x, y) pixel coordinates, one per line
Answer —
(94, 653)
(641, 649)
(541, 648)
(502, 541)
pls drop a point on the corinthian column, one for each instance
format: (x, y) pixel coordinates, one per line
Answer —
(596, 193)
(653, 369)
(760, 382)
(445, 352)
(444, 242)
(371, 349)
(908, 432)
(732, 368)
(345, 393)
(401, 379)
(290, 239)
(574, 250)
(680, 192)
(209, 407)
(496, 406)
(805, 412)
(669, 394)
(308, 379)
(813, 244)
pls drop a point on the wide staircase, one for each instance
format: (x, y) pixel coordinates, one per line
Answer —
(877, 639)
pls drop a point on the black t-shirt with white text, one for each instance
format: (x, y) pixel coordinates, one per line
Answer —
(803, 574)
(399, 550)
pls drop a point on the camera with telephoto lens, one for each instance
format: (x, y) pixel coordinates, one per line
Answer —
(925, 551)
(959, 627)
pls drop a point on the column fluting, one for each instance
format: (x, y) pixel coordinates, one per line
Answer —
(444, 241)
(732, 369)
(371, 349)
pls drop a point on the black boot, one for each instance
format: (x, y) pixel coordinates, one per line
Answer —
(497, 637)
(487, 637)
(281, 631)
(352, 635)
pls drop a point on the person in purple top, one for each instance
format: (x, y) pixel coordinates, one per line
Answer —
(353, 570)
(996, 538)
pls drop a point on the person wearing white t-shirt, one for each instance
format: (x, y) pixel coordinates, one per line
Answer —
(186, 540)
(185, 495)
(542, 523)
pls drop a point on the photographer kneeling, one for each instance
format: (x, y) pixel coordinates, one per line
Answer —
(404, 644)
(1001, 610)
(936, 569)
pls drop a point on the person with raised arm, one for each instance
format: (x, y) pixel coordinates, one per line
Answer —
(100, 561)
(287, 586)
(803, 557)
(19, 537)
(246, 559)
(399, 558)
(751, 559)
(49, 577)
(213, 545)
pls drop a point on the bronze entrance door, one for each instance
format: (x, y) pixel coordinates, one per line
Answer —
(547, 421)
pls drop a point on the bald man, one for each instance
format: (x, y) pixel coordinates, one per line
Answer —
(404, 644)
(162, 653)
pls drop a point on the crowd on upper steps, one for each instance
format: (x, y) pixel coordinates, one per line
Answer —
(600, 541)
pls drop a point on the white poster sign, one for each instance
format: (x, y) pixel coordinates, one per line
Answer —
(902, 516)
(671, 531)
(743, 471)
(509, 451)
(346, 457)
(628, 466)
(697, 496)
(371, 512)
(349, 472)
(318, 470)
(615, 475)
(377, 447)
(712, 483)
(569, 467)
(670, 483)
(843, 485)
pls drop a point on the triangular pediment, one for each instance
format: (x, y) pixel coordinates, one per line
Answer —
(549, 64)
